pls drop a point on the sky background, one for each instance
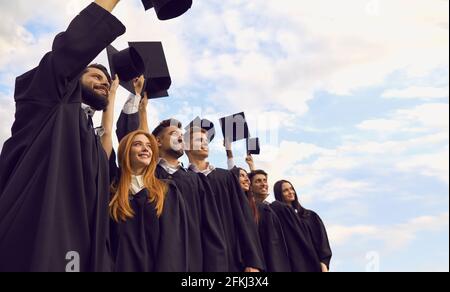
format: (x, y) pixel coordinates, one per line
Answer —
(350, 99)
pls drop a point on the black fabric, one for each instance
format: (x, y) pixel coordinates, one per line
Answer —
(207, 244)
(146, 243)
(127, 124)
(243, 245)
(302, 254)
(273, 243)
(54, 182)
(319, 236)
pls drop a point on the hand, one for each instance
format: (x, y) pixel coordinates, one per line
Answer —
(144, 102)
(251, 270)
(249, 160)
(138, 84)
(227, 145)
(114, 85)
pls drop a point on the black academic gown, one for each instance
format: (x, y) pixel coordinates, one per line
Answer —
(207, 245)
(243, 245)
(206, 239)
(54, 184)
(319, 236)
(146, 243)
(273, 242)
(302, 253)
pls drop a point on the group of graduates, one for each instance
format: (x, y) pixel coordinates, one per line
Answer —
(65, 190)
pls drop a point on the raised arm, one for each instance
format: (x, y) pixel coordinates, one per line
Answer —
(108, 5)
(87, 36)
(108, 117)
(250, 162)
(130, 118)
(143, 119)
(229, 151)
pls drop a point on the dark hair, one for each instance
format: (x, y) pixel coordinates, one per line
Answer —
(255, 173)
(250, 196)
(101, 68)
(278, 191)
(166, 124)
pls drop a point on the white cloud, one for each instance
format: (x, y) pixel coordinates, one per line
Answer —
(421, 118)
(417, 92)
(434, 165)
(394, 237)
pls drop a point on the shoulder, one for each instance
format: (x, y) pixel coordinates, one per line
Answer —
(221, 171)
(279, 205)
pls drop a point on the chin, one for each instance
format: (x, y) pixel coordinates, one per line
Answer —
(144, 163)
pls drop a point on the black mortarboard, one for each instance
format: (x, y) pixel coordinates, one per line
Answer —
(235, 128)
(157, 76)
(253, 146)
(204, 124)
(168, 9)
(128, 64)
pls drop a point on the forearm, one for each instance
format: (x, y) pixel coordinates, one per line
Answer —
(107, 124)
(230, 154)
(108, 5)
(143, 121)
(86, 37)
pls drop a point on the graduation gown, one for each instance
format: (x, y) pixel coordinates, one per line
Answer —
(54, 184)
(206, 239)
(273, 243)
(302, 254)
(319, 236)
(243, 245)
(207, 245)
(146, 243)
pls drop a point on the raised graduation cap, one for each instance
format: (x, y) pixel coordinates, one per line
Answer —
(253, 146)
(157, 75)
(235, 128)
(128, 64)
(168, 9)
(204, 124)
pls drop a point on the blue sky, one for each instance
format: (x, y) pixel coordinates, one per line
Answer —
(350, 98)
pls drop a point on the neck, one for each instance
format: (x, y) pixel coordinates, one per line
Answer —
(172, 161)
(201, 164)
(138, 172)
(260, 198)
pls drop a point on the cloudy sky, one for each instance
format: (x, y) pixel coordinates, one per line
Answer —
(349, 97)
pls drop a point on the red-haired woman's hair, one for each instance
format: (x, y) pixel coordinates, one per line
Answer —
(120, 208)
(250, 196)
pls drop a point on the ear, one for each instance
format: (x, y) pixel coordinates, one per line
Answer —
(159, 141)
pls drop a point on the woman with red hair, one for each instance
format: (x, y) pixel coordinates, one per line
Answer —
(149, 230)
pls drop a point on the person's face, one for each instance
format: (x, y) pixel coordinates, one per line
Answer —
(140, 154)
(95, 80)
(244, 181)
(288, 193)
(199, 145)
(95, 89)
(260, 186)
(171, 141)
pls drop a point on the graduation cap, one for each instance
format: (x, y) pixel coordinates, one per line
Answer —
(128, 64)
(203, 124)
(168, 9)
(235, 128)
(157, 75)
(253, 146)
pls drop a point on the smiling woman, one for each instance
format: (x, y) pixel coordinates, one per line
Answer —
(149, 216)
